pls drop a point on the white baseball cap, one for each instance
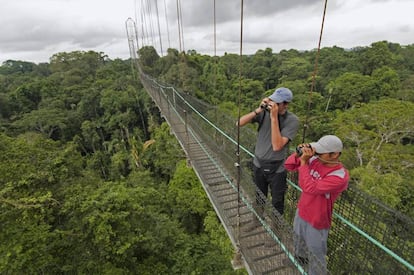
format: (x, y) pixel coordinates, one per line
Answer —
(327, 144)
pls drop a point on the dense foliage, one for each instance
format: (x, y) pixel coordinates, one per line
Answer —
(93, 181)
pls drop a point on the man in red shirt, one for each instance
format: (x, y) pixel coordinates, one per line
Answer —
(322, 178)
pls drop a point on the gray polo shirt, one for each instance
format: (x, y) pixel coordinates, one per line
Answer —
(288, 124)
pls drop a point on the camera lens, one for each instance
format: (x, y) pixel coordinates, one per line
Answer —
(265, 106)
(299, 151)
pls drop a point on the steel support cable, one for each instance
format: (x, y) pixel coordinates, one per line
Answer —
(181, 25)
(159, 28)
(166, 21)
(135, 29)
(315, 70)
(150, 22)
(215, 47)
(214, 18)
(237, 164)
(250, 207)
(136, 20)
(144, 24)
(178, 26)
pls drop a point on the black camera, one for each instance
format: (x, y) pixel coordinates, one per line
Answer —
(265, 106)
(299, 149)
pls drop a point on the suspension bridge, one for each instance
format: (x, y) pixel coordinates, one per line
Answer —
(364, 230)
(366, 237)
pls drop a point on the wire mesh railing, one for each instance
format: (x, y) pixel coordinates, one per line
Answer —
(366, 236)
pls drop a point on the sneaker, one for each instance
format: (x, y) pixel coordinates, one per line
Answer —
(302, 261)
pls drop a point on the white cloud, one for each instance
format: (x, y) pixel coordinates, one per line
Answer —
(35, 30)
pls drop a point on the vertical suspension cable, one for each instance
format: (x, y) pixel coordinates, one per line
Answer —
(238, 134)
(137, 39)
(214, 17)
(182, 30)
(179, 28)
(144, 25)
(149, 10)
(166, 21)
(215, 48)
(136, 20)
(315, 70)
(159, 28)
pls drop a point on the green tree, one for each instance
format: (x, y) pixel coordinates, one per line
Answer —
(27, 97)
(162, 156)
(376, 56)
(169, 60)
(294, 68)
(33, 168)
(188, 197)
(349, 89)
(16, 66)
(85, 62)
(49, 122)
(148, 57)
(261, 68)
(378, 137)
(250, 91)
(386, 81)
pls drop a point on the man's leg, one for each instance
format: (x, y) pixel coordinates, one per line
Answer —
(299, 229)
(316, 242)
(278, 186)
(278, 190)
(261, 184)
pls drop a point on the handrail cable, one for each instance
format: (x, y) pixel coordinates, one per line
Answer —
(315, 69)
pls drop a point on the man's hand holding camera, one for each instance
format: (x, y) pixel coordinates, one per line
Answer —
(270, 106)
(304, 152)
(264, 105)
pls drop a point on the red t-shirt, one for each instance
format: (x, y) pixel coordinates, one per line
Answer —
(321, 185)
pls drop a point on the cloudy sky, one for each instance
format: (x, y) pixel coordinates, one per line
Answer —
(34, 30)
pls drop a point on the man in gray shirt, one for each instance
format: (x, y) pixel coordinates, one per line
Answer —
(277, 127)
